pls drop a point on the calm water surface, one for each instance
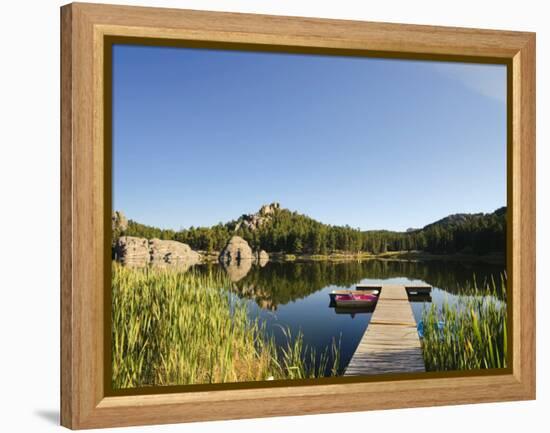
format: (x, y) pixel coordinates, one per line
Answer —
(295, 296)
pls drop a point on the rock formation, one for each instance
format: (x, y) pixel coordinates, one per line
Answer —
(237, 249)
(132, 251)
(256, 220)
(119, 222)
(163, 251)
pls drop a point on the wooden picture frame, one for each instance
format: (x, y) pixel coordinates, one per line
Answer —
(85, 185)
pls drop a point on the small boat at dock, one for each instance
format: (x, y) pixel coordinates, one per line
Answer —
(348, 292)
(355, 300)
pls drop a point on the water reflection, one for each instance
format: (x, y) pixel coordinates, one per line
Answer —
(352, 311)
(296, 295)
(237, 269)
(277, 284)
(420, 297)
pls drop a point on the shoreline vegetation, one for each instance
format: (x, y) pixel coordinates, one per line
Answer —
(492, 258)
(172, 327)
(180, 328)
(172, 324)
(286, 235)
(470, 335)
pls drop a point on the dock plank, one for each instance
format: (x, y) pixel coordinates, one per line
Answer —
(390, 343)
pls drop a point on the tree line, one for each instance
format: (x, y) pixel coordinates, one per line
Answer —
(294, 233)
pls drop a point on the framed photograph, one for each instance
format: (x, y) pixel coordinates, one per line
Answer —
(267, 216)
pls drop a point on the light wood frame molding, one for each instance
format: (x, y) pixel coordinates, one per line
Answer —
(84, 403)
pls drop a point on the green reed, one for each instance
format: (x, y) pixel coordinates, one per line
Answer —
(178, 328)
(471, 334)
(302, 362)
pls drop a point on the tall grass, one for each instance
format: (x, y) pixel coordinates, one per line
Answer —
(471, 334)
(175, 328)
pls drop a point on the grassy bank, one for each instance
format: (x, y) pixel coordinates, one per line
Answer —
(469, 335)
(170, 328)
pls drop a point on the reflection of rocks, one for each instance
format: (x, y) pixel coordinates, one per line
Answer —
(262, 297)
(132, 251)
(172, 252)
(262, 258)
(251, 290)
(267, 304)
(237, 270)
(236, 249)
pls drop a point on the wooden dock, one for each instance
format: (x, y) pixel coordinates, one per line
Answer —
(390, 343)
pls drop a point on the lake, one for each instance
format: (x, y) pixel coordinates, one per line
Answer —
(295, 295)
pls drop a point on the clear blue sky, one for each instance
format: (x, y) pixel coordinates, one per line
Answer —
(203, 136)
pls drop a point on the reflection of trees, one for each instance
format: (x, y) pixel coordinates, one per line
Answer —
(453, 277)
(280, 283)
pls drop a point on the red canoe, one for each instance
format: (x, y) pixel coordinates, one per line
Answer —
(354, 300)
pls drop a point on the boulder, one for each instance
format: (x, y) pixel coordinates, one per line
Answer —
(172, 252)
(237, 249)
(132, 251)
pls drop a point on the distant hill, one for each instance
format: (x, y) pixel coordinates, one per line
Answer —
(460, 219)
(276, 229)
(471, 233)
